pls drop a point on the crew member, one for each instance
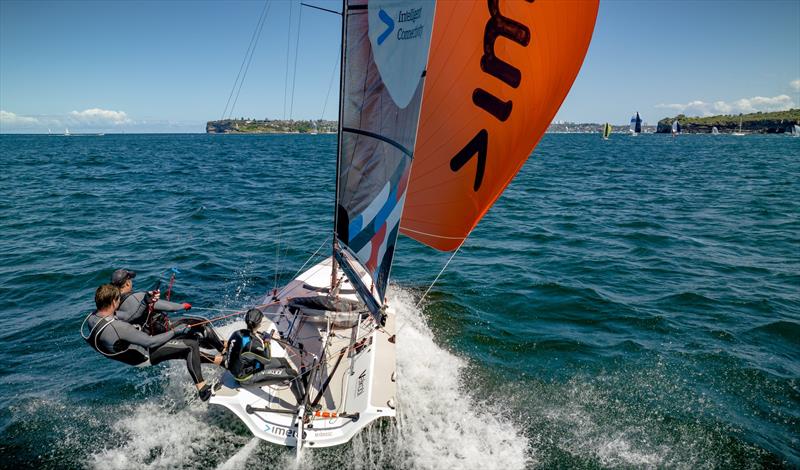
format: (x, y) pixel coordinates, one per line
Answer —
(152, 316)
(117, 339)
(249, 360)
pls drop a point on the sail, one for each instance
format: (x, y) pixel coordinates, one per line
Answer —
(676, 128)
(638, 126)
(606, 130)
(714, 130)
(386, 45)
(497, 74)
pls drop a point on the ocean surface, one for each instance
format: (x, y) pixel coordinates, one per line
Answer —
(633, 303)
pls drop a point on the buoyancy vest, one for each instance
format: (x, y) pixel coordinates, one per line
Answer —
(122, 350)
(243, 347)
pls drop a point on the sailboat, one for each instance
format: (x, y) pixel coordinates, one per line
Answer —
(795, 131)
(676, 128)
(66, 131)
(714, 130)
(636, 124)
(739, 133)
(606, 131)
(419, 83)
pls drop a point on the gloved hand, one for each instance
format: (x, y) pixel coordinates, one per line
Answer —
(152, 296)
(181, 329)
(187, 305)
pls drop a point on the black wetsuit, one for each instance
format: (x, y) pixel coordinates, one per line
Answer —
(118, 336)
(249, 360)
(133, 310)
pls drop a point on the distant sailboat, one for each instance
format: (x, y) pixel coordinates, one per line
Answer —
(740, 133)
(795, 131)
(606, 131)
(66, 131)
(676, 128)
(714, 130)
(636, 124)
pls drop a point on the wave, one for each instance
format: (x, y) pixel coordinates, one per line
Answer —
(785, 330)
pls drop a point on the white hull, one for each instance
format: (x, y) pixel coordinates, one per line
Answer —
(360, 390)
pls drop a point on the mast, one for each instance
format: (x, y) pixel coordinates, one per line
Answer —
(334, 267)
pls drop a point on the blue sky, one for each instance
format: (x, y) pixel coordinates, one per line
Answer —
(148, 66)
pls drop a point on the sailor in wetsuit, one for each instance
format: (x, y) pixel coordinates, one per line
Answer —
(248, 357)
(114, 338)
(152, 316)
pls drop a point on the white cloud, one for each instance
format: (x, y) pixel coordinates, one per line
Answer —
(795, 84)
(744, 105)
(100, 116)
(11, 119)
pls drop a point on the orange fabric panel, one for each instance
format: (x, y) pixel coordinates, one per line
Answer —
(497, 73)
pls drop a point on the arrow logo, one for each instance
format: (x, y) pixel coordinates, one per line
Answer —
(478, 145)
(389, 26)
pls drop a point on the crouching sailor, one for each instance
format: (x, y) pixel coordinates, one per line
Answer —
(123, 342)
(150, 312)
(249, 361)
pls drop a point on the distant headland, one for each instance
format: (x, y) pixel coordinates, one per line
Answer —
(268, 126)
(776, 122)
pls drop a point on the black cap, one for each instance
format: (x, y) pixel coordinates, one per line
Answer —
(253, 318)
(119, 276)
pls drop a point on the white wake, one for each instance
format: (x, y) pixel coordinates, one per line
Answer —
(439, 425)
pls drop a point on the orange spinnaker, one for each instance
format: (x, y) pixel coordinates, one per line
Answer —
(497, 73)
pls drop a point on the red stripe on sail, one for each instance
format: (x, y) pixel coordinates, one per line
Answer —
(377, 242)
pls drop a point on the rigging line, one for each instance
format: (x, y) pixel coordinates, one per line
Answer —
(320, 8)
(296, 53)
(288, 49)
(311, 257)
(442, 271)
(434, 280)
(252, 53)
(330, 84)
(247, 53)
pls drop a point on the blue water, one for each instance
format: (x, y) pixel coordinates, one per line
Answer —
(628, 303)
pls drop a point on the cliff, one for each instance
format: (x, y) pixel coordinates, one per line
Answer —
(755, 123)
(267, 126)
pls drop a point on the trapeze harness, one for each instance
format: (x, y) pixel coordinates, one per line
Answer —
(122, 350)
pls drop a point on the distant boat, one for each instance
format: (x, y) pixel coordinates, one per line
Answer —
(676, 128)
(714, 130)
(795, 131)
(740, 133)
(636, 124)
(66, 131)
(606, 131)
